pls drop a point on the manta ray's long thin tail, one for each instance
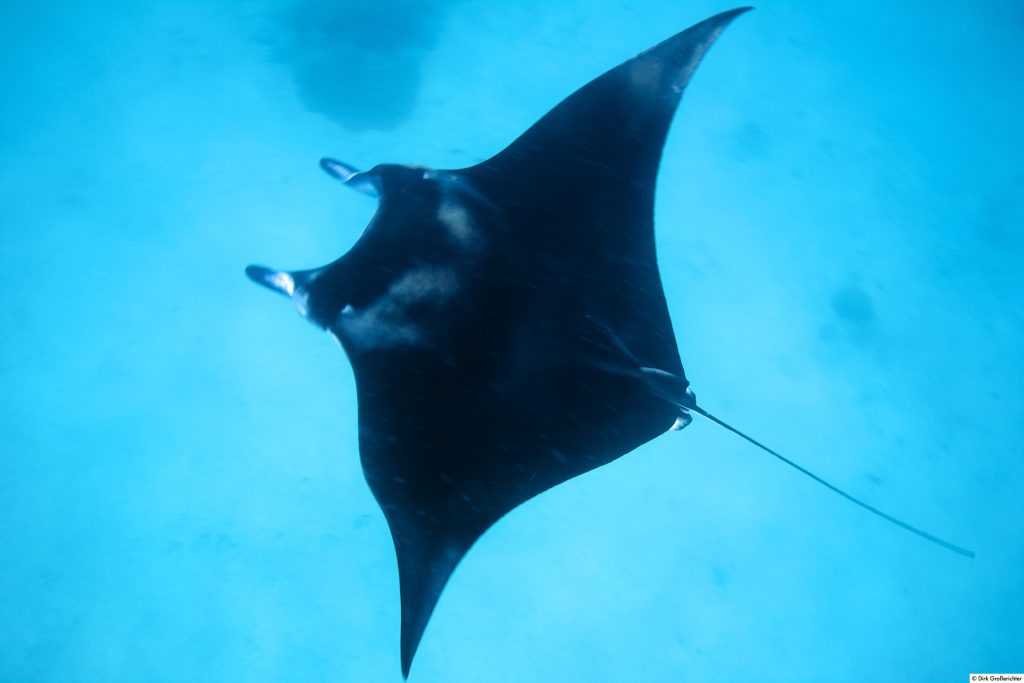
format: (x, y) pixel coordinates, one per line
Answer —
(856, 501)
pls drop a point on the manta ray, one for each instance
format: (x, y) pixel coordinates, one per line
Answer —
(506, 323)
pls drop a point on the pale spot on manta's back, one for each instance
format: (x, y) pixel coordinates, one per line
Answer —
(423, 283)
(457, 218)
(384, 323)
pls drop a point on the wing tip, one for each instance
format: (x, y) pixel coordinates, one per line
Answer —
(411, 637)
(423, 571)
(407, 662)
(731, 14)
(713, 26)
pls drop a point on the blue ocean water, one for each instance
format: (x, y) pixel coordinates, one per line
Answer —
(839, 223)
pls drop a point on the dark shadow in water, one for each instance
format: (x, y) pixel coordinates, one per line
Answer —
(853, 316)
(358, 61)
(750, 143)
(853, 305)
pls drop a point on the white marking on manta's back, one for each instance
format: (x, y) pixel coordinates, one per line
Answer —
(385, 323)
(453, 215)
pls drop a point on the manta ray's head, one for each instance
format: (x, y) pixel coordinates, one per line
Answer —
(406, 269)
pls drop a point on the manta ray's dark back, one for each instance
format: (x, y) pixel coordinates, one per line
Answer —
(506, 322)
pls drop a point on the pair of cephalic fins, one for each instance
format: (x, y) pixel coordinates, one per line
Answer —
(506, 322)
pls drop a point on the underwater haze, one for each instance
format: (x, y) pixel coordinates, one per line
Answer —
(840, 226)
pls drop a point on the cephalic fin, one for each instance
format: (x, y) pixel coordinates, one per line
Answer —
(280, 281)
(351, 176)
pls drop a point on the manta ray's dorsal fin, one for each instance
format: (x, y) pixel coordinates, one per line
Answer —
(835, 489)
